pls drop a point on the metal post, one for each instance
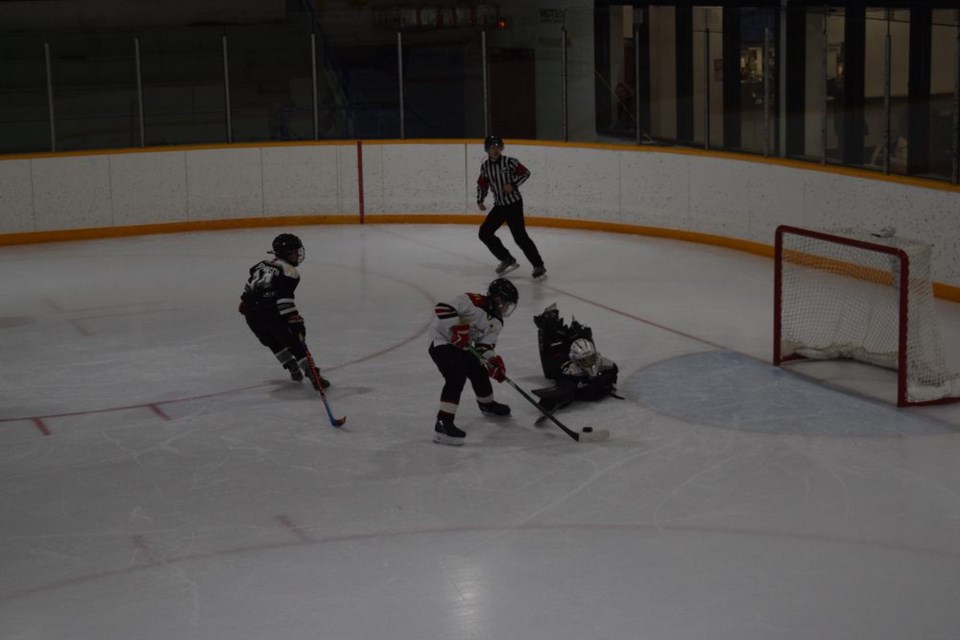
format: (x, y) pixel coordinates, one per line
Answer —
(887, 51)
(636, 80)
(486, 88)
(53, 130)
(403, 124)
(956, 103)
(766, 91)
(313, 80)
(143, 129)
(563, 83)
(226, 89)
(782, 88)
(823, 83)
(706, 86)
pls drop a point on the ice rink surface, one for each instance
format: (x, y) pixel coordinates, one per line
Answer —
(161, 477)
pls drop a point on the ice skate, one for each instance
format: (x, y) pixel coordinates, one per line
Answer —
(295, 374)
(493, 408)
(539, 273)
(323, 383)
(506, 266)
(448, 433)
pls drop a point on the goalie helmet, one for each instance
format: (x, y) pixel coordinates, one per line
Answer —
(492, 141)
(503, 297)
(287, 246)
(584, 354)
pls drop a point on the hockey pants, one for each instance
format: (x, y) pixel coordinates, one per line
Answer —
(274, 332)
(456, 366)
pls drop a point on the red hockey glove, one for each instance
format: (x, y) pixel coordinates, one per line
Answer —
(496, 369)
(460, 335)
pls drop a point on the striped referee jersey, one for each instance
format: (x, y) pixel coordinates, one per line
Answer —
(494, 174)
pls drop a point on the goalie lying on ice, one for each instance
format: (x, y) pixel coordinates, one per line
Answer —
(570, 358)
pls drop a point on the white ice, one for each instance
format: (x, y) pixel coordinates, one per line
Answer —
(161, 478)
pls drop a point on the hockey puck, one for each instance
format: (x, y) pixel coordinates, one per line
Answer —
(588, 429)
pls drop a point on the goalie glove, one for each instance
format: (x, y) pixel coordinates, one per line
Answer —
(496, 369)
(460, 335)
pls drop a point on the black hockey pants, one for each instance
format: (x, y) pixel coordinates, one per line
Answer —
(273, 331)
(456, 366)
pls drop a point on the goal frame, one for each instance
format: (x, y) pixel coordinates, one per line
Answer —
(902, 304)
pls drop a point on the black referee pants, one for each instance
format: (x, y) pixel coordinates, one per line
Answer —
(512, 214)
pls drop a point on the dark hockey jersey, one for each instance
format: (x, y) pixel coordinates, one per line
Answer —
(272, 284)
(573, 383)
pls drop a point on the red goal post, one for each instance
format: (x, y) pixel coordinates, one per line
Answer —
(847, 294)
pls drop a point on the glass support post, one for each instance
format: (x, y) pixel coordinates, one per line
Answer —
(766, 92)
(887, 50)
(823, 83)
(53, 128)
(563, 84)
(136, 55)
(706, 85)
(403, 123)
(314, 86)
(636, 81)
(486, 83)
(226, 88)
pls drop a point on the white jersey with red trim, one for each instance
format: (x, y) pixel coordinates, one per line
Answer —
(469, 309)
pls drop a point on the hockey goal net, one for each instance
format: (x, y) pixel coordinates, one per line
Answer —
(846, 294)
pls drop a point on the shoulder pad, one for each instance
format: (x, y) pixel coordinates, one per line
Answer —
(288, 269)
(478, 300)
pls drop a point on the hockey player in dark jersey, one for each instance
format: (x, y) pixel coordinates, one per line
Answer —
(503, 176)
(469, 320)
(267, 303)
(569, 357)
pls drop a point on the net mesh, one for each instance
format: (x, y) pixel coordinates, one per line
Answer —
(843, 301)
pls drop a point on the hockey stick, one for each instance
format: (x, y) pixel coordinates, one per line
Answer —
(336, 422)
(539, 421)
(587, 434)
(549, 412)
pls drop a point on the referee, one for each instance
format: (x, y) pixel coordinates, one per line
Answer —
(503, 176)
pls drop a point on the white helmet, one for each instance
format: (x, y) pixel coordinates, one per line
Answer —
(584, 354)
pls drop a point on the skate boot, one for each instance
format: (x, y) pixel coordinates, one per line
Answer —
(539, 272)
(307, 370)
(445, 432)
(493, 408)
(506, 266)
(295, 374)
(322, 383)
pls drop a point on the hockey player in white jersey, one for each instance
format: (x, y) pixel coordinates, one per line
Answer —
(469, 320)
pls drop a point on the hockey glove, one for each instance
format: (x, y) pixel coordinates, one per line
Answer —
(297, 327)
(460, 335)
(242, 308)
(496, 369)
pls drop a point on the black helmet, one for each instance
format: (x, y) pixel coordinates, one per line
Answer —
(287, 243)
(503, 297)
(491, 141)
